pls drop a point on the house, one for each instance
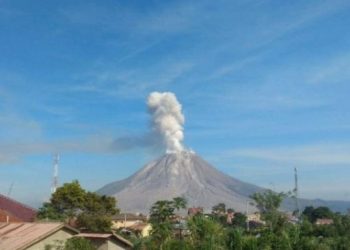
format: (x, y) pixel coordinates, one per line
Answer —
(14, 211)
(324, 222)
(194, 210)
(107, 241)
(254, 220)
(230, 215)
(143, 229)
(180, 229)
(126, 220)
(256, 217)
(33, 236)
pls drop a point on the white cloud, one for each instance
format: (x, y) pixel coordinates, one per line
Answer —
(14, 151)
(168, 18)
(321, 154)
(134, 83)
(330, 70)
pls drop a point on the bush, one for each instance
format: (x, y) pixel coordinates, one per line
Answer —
(78, 243)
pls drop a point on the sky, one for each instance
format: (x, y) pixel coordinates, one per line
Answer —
(264, 87)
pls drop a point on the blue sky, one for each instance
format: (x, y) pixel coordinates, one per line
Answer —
(264, 87)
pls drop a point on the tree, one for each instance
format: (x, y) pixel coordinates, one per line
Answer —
(230, 210)
(48, 211)
(78, 243)
(69, 199)
(308, 213)
(161, 211)
(312, 214)
(160, 217)
(268, 203)
(97, 213)
(179, 203)
(239, 220)
(65, 203)
(92, 211)
(219, 208)
(206, 233)
(322, 213)
(235, 239)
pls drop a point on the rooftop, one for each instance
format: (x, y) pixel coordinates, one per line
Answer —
(17, 209)
(129, 216)
(105, 236)
(23, 235)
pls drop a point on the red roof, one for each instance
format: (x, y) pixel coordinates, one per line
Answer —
(17, 209)
(195, 210)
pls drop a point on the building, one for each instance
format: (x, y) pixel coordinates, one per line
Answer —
(14, 211)
(33, 236)
(230, 215)
(143, 229)
(41, 236)
(194, 210)
(107, 241)
(256, 217)
(126, 220)
(324, 222)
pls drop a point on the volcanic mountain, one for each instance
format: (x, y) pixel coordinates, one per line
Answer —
(183, 173)
(179, 174)
(186, 174)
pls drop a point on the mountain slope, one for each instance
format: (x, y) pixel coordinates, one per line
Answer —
(179, 174)
(186, 174)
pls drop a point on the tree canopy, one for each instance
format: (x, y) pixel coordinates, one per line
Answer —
(91, 211)
(207, 232)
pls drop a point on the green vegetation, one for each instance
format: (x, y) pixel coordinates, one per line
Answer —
(78, 243)
(214, 232)
(74, 243)
(90, 211)
(220, 230)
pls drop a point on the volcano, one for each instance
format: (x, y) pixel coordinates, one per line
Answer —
(186, 174)
(180, 174)
(183, 173)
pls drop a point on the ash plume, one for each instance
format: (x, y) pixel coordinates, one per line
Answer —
(167, 119)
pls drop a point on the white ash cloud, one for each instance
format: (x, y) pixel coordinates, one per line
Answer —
(167, 119)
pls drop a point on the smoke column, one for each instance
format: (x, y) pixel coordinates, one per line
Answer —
(167, 119)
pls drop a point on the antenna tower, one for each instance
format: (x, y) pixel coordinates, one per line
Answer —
(10, 189)
(54, 186)
(296, 192)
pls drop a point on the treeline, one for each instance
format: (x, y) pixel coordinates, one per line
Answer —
(215, 231)
(278, 232)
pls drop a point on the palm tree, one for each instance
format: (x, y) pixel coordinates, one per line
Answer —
(161, 211)
(179, 202)
(206, 234)
(219, 208)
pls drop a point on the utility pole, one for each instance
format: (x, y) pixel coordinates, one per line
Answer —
(10, 189)
(246, 214)
(296, 192)
(55, 173)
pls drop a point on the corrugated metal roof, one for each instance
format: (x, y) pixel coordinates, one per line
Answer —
(17, 209)
(93, 235)
(16, 236)
(128, 217)
(105, 236)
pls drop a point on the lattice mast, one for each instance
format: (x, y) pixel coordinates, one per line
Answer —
(54, 186)
(10, 189)
(296, 192)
